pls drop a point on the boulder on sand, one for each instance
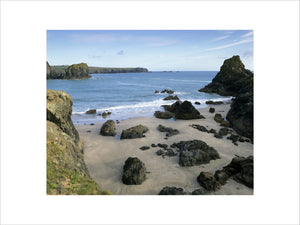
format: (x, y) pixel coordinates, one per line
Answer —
(163, 115)
(134, 132)
(172, 191)
(108, 128)
(134, 171)
(208, 181)
(184, 110)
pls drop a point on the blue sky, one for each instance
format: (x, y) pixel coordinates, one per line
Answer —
(153, 49)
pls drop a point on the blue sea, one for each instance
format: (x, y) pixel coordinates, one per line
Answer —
(128, 95)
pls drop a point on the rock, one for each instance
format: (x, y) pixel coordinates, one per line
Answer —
(162, 145)
(208, 181)
(221, 177)
(108, 128)
(199, 127)
(223, 131)
(218, 118)
(218, 136)
(170, 131)
(170, 97)
(156, 92)
(160, 152)
(232, 79)
(242, 170)
(134, 171)
(153, 145)
(213, 131)
(169, 152)
(77, 71)
(240, 115)
(211, 110)
(167, 91)
(172, 191)
(65, 150)
(104, 114)
(134, 132)
(199, 192)
(214, 102)
(163, 115)
(184, 110)
(91, 111)
(225, 123)
(195, 152)
(144, 148)
(197, 103)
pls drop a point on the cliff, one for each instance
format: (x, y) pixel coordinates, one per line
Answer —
(66, 171)
(75, 71)
(117, 70)
(234, 80)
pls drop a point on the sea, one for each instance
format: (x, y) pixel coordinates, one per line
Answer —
(128, 95)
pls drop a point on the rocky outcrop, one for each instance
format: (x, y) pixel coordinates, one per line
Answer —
(108, 128)
(163, 115)
(208, 181)
(134, 132)
(184, 110)
(232, 79)
(93, 70)
(167, 91)
(195, 152)
(91, 111)
(169, 131)
(75, 71)
(66, 170)
(171, 97)
(134, 171)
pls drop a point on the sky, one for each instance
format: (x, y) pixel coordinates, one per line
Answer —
(156, 50)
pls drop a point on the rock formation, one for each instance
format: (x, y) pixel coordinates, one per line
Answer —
(75, 71)
(108, 128)
(66, 170)
(134, 171)
(134, 132)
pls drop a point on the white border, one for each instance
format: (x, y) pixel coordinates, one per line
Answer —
(23, 127)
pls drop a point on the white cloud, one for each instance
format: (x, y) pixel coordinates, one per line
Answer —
(221, 38)
(247, 34)
(231, 44)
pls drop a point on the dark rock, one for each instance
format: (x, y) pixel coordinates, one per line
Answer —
(195, 152)
(162, 145)
(108, 128)
(91, 111)
(170, 131)
(144, 148)
(197, 103)
(153, 145)
(207, 180)
(92, 124)
(134, 132)
(242, 170)
(104, 114)
(160, 152)
(232, 79)
(214, 102)
(218, 136)
(170, 152)
(240, 115)
(223, 131)
(212, 110)
(172, 191)
(170, 97)
(134, 171)
(233, 137)
(221, 177)
(167, 91)
(213, 131)
(108, 113)
(225, 123)
(163, 115)
(199, 127)
(156, 92)
(199, 192)
(218, 118)
(184, 110)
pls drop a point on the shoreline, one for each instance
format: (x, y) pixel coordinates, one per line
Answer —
(105, 156)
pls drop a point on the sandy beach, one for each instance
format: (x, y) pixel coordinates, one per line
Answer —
(105, 156)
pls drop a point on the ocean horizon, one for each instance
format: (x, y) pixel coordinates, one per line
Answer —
(129, 95)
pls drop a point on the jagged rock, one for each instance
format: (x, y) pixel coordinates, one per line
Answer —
(163, 115)
(167, 91)
(212, 131)
(195, 152)
(153, 145)
(134, 132)
(170, 97)
(108, 128)
(218, 118)
(211, 110)
(197, 103)
(134, 171)
(170, 131)
(199, 192)
(184, 110)
(224, 131)
(221, 177)
(91, 111)
(162, 145)
(156, 92)
(232, 79)
(225, 123)
(172, 191)
(207, 180)
(160, 152)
